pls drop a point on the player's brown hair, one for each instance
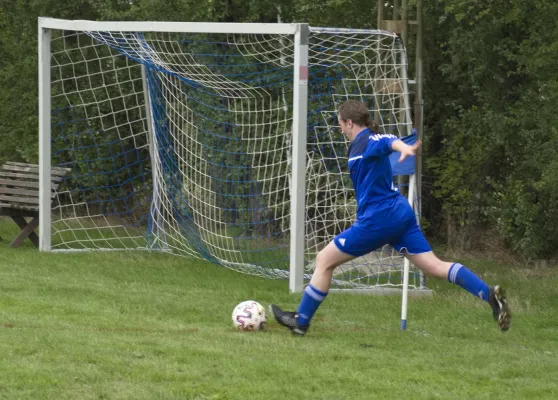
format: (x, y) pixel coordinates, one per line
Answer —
(358, 113)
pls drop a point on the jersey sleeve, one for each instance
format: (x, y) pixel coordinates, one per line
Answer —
(379, 145)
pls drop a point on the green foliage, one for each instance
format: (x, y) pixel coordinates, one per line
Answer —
(335, 13)
(491, 125)
(490, 91)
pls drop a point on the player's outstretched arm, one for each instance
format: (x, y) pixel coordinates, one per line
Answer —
(405, 149)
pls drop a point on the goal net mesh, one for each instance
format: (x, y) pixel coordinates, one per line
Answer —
(182, 142)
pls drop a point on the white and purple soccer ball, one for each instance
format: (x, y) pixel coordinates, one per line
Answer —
(249, 316)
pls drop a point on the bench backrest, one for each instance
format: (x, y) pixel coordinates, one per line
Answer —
(19, 185)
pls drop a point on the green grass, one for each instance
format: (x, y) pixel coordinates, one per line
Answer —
(149, 326)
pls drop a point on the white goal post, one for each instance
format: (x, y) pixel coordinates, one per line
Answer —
(214, 140)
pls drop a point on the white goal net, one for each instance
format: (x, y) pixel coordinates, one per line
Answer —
(182, 141)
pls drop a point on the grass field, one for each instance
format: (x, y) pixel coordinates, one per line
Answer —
(149, 326)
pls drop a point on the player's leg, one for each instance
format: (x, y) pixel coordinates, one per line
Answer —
(326, 261)
(456, 273)
(353, 242)
(316, 291)
(416, 248)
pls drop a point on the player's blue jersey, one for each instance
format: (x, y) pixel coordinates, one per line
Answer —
(378, 201)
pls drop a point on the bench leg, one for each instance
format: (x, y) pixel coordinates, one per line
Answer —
(27, 230)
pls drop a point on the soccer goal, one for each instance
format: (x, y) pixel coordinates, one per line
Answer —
(214, 140)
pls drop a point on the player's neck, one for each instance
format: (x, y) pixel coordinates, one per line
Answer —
(356, 129)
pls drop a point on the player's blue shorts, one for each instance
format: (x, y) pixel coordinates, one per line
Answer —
(361, 239)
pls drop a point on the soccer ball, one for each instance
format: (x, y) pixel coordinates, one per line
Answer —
(249, 316)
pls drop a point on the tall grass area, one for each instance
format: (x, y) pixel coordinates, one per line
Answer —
(138, 325)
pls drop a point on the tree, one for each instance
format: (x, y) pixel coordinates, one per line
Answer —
(491, 85)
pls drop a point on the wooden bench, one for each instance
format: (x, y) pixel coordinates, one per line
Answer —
(19, 196)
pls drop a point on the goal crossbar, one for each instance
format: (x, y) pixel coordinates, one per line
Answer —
(176, 27)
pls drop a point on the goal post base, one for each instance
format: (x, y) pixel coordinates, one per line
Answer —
(381, 291)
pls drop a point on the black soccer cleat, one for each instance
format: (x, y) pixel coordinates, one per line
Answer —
(500, 309)
(288, 319)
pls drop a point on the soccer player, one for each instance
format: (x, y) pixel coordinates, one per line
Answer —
(384, 216)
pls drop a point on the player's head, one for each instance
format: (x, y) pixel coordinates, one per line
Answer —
(353, 117)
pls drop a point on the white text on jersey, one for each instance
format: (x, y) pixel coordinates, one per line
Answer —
(379, 136)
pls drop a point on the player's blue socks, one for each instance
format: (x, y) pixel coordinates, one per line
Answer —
(461, 276)
(311, 300)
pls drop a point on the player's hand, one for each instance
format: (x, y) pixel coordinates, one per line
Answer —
(408, 151)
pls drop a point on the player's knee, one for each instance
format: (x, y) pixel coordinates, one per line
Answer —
(439, 268)
(323, 261)
(431, 265)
